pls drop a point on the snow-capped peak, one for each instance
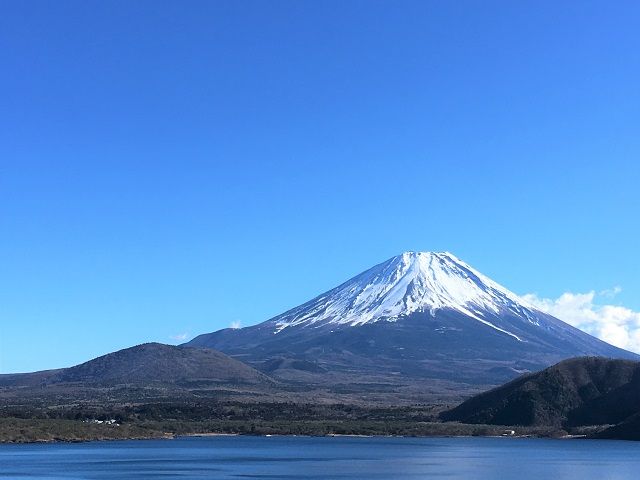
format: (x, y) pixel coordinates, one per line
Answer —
(405, 284)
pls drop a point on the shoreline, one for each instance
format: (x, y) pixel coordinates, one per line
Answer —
(35, 430)
(172, 436)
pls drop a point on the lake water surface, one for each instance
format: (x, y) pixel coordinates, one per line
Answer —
(326, 458)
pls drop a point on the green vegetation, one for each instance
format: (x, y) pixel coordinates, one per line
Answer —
(20, 430)
(79, 422)
(574, 394)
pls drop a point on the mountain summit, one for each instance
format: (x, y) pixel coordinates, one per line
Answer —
(406, 284)
(420, 321)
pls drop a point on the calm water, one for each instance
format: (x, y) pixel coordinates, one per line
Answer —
(326, 458)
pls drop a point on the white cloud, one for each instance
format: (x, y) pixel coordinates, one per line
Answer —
(617, 325)
(611, 292)
(180, 337)
(236, 324)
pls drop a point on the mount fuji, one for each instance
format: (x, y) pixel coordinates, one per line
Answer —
(421, 324)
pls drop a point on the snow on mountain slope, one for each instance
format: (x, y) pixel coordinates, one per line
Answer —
(409, 283)
(419, 318)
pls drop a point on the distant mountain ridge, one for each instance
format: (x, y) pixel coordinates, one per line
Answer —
(147, 364)
(419, 315)
(417, 328)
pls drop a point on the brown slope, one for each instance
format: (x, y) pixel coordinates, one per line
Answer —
(150, 363)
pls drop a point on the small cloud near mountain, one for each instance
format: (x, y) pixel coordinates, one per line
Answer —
(235, 324)
(615, 324)
(180, 337)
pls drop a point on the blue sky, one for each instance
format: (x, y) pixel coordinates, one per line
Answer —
(168, 168)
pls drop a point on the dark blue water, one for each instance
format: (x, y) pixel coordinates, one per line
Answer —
(326, 458)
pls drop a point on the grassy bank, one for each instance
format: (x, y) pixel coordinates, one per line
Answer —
(16, 430)
(20, 430)
(101, 421)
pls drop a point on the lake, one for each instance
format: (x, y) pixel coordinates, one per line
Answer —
(325, 458)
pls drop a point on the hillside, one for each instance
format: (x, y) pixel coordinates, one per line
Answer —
(147, 366)
(155, 362)
(576, 392)
(627, 430)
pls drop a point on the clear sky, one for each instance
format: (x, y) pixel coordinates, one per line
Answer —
(170, 168)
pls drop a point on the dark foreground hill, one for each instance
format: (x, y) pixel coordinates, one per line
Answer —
(576, 392)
